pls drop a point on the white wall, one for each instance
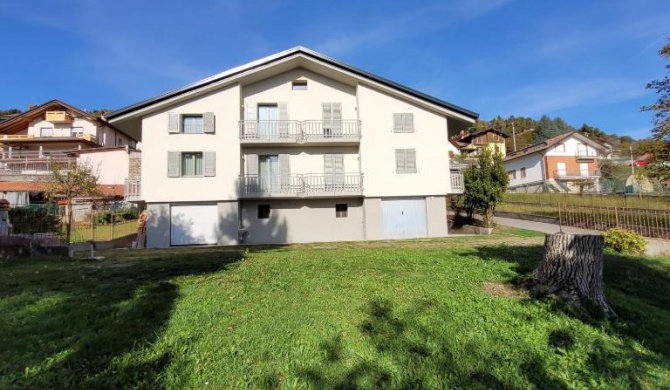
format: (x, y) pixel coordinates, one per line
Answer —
(571, 147)
(379, 142)
(533, 165)
(157, 187)
(111, 166)
(309, 159)
(61, 129)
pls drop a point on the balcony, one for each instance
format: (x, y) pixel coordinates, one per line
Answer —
(56, 137)
(457, 183)
(586, 155)
(58, 117)
(300, 186)
(578, 175)
(34, 168)
(131, 190)
(313, 132)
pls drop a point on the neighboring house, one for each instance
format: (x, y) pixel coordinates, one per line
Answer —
(556, 164)
(58, 133)
(471, 145)
(294, 147)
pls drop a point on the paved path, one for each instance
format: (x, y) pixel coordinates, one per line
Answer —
(655, 247)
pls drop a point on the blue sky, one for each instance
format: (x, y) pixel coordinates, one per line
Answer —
(586, 61)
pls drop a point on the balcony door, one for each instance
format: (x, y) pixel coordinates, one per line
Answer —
(561, 169)
(584, 169)
(268, 121)
(268, 172)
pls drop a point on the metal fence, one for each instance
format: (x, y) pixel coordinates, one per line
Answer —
(653, 223)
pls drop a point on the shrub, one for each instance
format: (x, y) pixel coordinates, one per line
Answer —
(626, 241)
(26, 220)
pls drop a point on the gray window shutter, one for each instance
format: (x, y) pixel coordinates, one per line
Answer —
(398, 123)
(173, 122)
(208, 122)
(328, 169)
(174, 164)
(408, 123)
(338, 168)
(327, 118)
(337, 119)
(251, 118)
(252, 164)
(285, 170)
(283, 119)
(400, 160)
(410, 160)
(210, 163)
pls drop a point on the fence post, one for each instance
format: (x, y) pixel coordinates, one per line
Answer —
(560, 221)
(616, 216)
(112, 217)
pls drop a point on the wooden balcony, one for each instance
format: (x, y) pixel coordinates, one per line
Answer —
(58, 117)
(313, 132)
(300, 186)
(9, 138)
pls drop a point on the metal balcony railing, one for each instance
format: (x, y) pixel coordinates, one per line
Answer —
(574, 175)
(34, 167)
(131, 190)
(301, 185)
(300, 131)
(457, 183)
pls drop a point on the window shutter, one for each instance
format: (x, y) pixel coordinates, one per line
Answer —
(398, 123)
(208, 122)
(410, 161)
(338, 168)
(328, 168)
(252, 164)
(408, 123)
(337, 119)
(173, 122)
(174, 164)
(210, 163)
(400, 160)
(285, 170)
(283, 119)
(327, 117)
(250, 116)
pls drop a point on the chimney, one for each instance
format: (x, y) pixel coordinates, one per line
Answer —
(31, 106)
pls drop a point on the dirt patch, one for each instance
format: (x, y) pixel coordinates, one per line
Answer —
(497, 289)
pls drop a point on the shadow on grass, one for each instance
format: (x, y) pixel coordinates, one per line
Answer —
(76, 324)
(637, 288)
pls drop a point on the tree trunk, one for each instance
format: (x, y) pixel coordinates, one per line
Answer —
(572, 270)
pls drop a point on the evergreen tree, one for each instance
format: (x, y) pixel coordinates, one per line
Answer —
(659, 166)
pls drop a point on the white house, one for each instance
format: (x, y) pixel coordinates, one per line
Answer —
(294, 147)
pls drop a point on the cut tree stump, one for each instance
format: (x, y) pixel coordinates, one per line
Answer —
(572, 270)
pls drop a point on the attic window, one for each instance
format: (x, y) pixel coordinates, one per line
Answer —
(299, 85)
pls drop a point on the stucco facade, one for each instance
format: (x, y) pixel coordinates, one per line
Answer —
(355, 158)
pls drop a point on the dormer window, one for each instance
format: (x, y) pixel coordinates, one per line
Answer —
(299, 85)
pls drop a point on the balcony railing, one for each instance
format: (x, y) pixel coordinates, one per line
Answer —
(457, 184)
(23, 137)
(34, 167)
(574, 175)
(301, 185)
(131, 190)
(586, 154)
(300, 131)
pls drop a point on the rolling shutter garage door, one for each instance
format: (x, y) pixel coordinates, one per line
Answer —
(404, 218)
(194, 224)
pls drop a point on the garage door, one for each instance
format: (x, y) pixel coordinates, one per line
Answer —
(404, 218)
(193, 224)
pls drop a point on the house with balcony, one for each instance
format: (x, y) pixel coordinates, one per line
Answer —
(559, 164)
(56, 133)
(294, 147)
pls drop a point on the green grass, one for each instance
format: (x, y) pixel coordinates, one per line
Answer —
(410, 314)
(659, 202)
(83, 233)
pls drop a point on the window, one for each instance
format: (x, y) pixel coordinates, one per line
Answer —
(511, 174)
(497, 149)
(46, 132)
(584, 169)
(560, 148)
(193, 124)
(403, 123)
(405, 161)
(119, 142)
(496, 137)
(299, 85)
(263, 211)
(523, 172)
(77, 131)
(191, 164)
(341, 210)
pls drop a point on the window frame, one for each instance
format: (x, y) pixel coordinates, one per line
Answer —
(403, 122)
(263, 211)
(46, 128)
(182, 163)
(341, 210)
(511, 175)
(184, 117)
(405, 170)
(522, 172)
(299, 85)
(74, 134)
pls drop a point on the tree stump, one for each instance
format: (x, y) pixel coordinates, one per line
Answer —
(572, 270)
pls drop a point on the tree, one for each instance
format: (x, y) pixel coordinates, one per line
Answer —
(659, 166)
(592, 132)
(485, 185)
(549, 128)
(100, 112)
(68, 183)
(10, 111)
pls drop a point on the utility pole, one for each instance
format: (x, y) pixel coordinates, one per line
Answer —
(514, 135)
(632, 163)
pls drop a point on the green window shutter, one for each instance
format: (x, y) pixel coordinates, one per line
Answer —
(285, 170)
(174, 164)
(208, 122)
(410, 160)
(408, 123)
(252, 164)
(400, 160)
(210, 163)
(173, 122)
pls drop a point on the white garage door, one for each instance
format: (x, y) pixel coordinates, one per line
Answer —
(404, 218)
(194, 224)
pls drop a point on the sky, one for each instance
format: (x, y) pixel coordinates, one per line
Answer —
(585, 61)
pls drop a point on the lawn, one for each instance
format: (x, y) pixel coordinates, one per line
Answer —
(408, 314)
(656, 202)
(83, 233)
